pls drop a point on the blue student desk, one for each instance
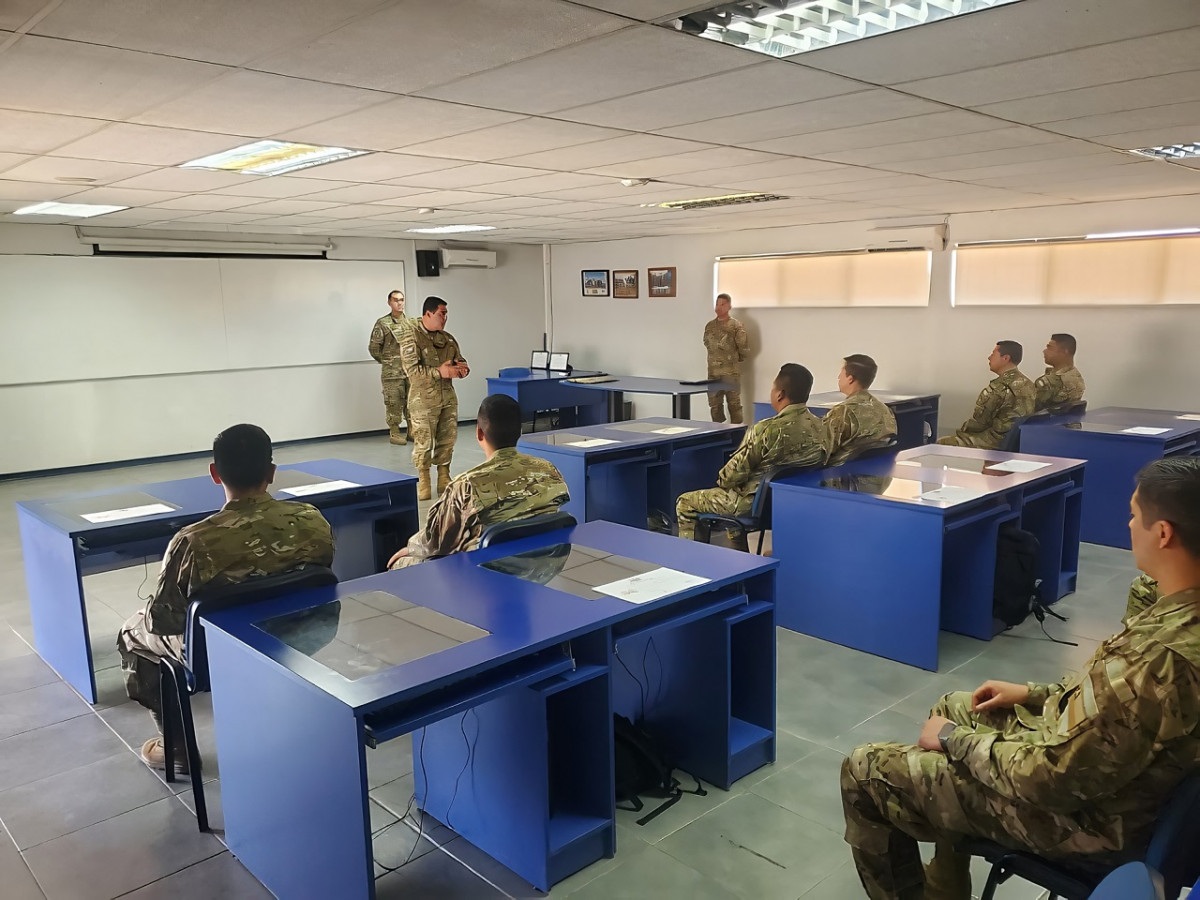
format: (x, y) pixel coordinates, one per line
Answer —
(869, 562)
(539, 389)
(533, 685)
(681, 394)
(916, 414)
(634, 467)
(60, 546)
(1114, 455)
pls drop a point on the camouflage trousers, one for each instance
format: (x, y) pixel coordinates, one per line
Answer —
(433, 431)
(718, 399)
(710, 500)
(395, 400)
(895, 795)
(140, 653)
(983, 440)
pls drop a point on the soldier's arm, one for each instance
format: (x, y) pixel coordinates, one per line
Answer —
(452, 521)
(320, 538)
(375, 347)
(410, 358)
(985, 412)
(745, 459)
(708, 337)
(743, 343)
(1048, 388)
(166, 611)
(835, 430)
(1143, 593)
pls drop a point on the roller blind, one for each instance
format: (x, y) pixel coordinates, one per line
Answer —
(877, 278)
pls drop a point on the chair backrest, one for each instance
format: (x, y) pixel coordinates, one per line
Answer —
(1175, 848)
(879, 448)
(210, 599)
(503, 532)
(1012, 440)
(760, 509)
(1132, 881)
(514, 372)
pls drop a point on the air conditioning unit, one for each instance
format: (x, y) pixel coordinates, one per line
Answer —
(480, 259)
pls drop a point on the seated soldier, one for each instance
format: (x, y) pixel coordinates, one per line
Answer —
(860, 420)
(1061, 385)
(792, 437)
(1076, 771)
(1008, 396)
(508, 486)
(253, 535)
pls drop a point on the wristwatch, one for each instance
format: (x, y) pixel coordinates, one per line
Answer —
(944, 735)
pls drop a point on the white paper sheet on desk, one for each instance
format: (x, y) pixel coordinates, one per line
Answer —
(129, 512)
(652, 585)
(673, 429)
(1142, 429)
(591, 442)
(1191, 417)
(321, 487)
(952, 493)
(1018, 465)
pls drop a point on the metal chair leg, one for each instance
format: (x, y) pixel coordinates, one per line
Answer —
(193, 757)
(167, 703)
(996, 877)
(703, 532)
(762, 533)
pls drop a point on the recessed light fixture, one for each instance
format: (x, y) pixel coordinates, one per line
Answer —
(72, 210)
(271, 158)
(1171, 151)
(450, 229)
(1162, 232)
(784, 28)
(709, 202)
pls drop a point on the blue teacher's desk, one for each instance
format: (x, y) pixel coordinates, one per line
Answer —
(506, 667)
(538, 389)
(1116, 442)
(880, 554)
(65, 538)
(621, 471)
(916, 414)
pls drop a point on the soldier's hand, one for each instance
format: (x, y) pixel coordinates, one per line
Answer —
(929, 733)
(998, 695)
(449, 370)
(397, 556)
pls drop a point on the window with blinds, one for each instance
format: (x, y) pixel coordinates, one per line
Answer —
(860, 278)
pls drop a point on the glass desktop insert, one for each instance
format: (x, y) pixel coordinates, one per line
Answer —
(570, 568)
(950, 461)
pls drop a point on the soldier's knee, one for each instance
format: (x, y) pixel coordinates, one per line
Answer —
(856, 768)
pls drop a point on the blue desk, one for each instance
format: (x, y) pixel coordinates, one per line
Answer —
(916, 414)
(868, 563)
(1114, 456)
(538, 389)
(637, 468)
(60, 546)
(533, 787)
(680, 393)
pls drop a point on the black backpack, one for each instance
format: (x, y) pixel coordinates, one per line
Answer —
(1017, 590)
(643, 767)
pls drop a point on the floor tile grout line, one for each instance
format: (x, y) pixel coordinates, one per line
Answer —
(21, 855)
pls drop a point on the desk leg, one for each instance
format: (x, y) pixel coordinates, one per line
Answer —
(616, 406)
(681, 406)
(60, 629)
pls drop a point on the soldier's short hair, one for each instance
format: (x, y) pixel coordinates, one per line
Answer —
(1012, 350)
(431, 304)
(242, 454)
(861, 368)
(724, 297)
(1168, 490)
(1066, 341)
(795, 381)
(499, 417)
(393, 293)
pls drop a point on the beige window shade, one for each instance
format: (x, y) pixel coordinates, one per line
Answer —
(1142, 272)
(892, 278)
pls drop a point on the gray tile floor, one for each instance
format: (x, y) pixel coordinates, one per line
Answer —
(83, 818)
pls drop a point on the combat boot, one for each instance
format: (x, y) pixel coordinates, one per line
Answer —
(443, 478)
(395, 436)
(423, 484)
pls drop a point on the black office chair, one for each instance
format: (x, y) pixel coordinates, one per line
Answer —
(885, 447)
(759, 517)
(179, 681)
(1174, 852)
(1012, 440)
(503, 532)
(1132, 881)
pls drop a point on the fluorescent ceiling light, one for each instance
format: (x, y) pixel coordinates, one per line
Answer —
(709, 202)
(782, 28)
(271, 158)
(1163, 232)
(1171, 151)
(450, 229)
(74, 210)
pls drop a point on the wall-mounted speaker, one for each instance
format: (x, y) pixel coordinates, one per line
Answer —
(427, 264)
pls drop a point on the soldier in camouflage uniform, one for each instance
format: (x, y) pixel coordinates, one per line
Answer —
(384, 348)
(1143, 593)
(253, 535)
(727, 346)
(860, 420)
(506, 487)
(432, 361)
(1007, 397)
(792, 437)
(1062, 385)
(1076, 771)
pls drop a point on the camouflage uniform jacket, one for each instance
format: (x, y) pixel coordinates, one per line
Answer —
(1006, 397)
(1097, 755)
(508, 486)
(385, 343)
(1059, 387)
(793, 437)
(727, 346)
(857, 422)
(422, 352)
(1142, 593)
(248, 538)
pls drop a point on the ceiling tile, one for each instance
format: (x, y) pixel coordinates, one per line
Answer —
(1061, 149)
(469, 176)
(52, 168)
(438, 198)
(148, 145)
(540, 184)
(1105, 98)
(226, 218)
(15, 13)
(363, 193)
(709, 160)
(379, 167)
(604, 153)
(8, 160)
(279, 186)
(286, 207)
(878, 134)
(207, 202)
(34, 191)
(644, 10)
(530, 135)
(34, 132)
(1150, 137)
(1185, 116)
(118, 196)
(185, 181)
(950, 145)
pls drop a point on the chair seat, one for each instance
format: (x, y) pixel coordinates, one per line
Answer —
(1071, 882)
(749, 523)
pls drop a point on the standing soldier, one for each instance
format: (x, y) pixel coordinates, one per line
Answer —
(385, 350)
(725, 341)
(432, 361)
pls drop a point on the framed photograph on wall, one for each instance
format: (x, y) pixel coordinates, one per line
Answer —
(595, 282)
(660, 282)
(625, 284)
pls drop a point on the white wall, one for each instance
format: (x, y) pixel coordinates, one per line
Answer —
(105, 359)
(1130, 356)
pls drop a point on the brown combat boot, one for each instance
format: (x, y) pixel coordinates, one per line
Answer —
(423, 492)
(395, 436)
(443, 478)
